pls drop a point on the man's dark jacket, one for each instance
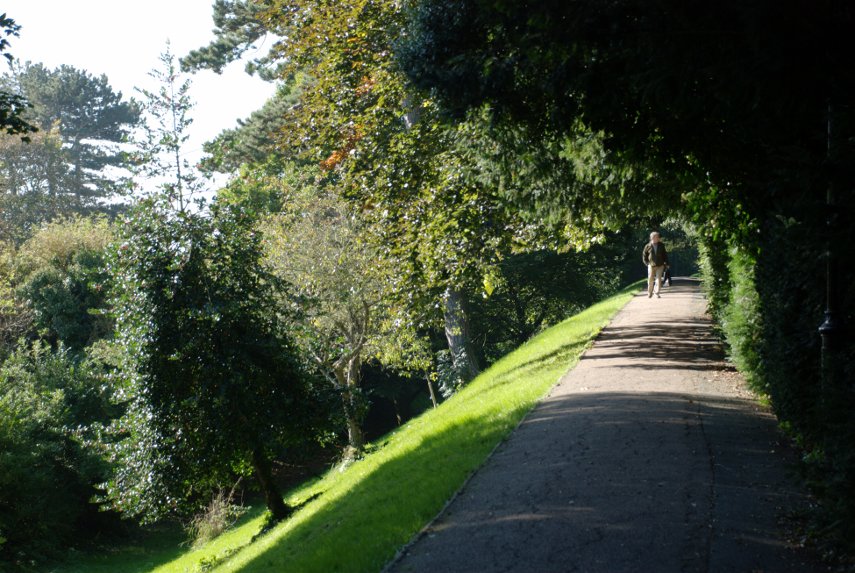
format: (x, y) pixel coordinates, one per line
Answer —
(654, 254)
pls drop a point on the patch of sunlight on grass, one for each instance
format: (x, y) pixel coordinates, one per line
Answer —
(364, 513)
(367, 512)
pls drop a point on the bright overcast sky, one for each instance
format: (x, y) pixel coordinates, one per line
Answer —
(123, 40)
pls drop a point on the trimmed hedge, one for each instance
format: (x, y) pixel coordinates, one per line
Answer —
(768, 299)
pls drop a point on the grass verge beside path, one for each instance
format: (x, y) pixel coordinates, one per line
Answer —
(365, 513)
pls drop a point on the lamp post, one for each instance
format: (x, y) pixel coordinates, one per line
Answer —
(830, 329)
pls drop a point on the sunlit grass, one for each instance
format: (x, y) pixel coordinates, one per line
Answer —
(367, 511)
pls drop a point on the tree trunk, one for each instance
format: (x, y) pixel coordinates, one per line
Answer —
(457, 334)
(432, 392)
(355, 437)
(279, 510)
(348, 378)
(397, 406)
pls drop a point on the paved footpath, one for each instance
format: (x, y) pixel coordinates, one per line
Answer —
(648, 456)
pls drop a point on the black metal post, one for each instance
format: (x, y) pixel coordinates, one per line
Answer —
(830, 328)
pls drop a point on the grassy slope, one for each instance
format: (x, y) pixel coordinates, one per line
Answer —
(366, 512)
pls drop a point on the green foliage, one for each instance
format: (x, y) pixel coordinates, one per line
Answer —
(15, 318)
(52, 406)
(386, 150)
(714, 258)
(73, 164)
(159, 157)
(267, 188)
(539, 288)
(213, 385)
(451, 372)
(238, 27)
(34, 178)
(255, 140)
(12, 106)
(318, 248)
(92, 120)
(729, 281)
(741, 321)
(63, 280)
(59, 244)
(348, 520)
(667, 81)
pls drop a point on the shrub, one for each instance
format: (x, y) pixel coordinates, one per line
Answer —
(51, 406)
(741, 320)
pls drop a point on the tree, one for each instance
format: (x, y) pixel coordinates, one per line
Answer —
(438, 222)
(34, 179)
(318, 248)
(670, 82)
(12, 105)
(160, 155)
(389, 155)
(92, 120)
(238, 25)
(63, 281)
(15, 318)
(214, 385)
(755, 131)
(256, 139)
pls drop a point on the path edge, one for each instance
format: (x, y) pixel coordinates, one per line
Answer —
(399, 554)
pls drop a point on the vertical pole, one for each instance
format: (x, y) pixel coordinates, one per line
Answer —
(830, 328)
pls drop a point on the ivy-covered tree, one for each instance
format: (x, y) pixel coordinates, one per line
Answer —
(214, 386)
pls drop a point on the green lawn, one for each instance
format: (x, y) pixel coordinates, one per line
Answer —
(365, 513)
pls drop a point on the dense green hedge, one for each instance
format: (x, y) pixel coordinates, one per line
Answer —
(768, 297)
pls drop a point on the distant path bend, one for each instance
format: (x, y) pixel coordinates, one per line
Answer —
(648, 456)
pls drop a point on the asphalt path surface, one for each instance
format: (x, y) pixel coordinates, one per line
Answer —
(650, 455)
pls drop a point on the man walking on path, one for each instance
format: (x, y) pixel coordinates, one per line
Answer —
(649, 456)
(655, 257)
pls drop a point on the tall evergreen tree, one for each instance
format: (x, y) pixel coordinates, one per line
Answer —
(92, 119)
(160, 155)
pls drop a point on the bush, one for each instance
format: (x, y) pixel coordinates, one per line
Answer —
(714, 258)
(740, 318)
(51, 408)
(60, 278)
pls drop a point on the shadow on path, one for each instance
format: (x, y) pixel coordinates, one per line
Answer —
(648, 456)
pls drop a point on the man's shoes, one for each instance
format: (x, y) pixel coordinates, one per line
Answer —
(657, 295)
(650, 295)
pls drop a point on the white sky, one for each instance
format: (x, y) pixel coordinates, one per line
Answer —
(123, 40)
